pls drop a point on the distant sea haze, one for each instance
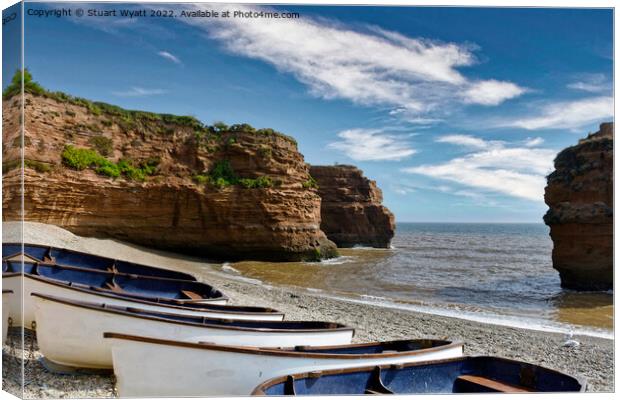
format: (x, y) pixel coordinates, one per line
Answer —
(493, 272)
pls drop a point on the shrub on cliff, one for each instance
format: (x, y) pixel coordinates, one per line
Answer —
(218, 127)
(310, 184)
(260, 182)
(36, 165)
(15, 87)
(242, 128)
(81, 159)
(200, 179)
(102, 144)
(222, 174)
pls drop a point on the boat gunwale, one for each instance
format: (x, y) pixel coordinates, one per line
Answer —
(287, 351)
(115, 310)
(113, 260)
(260, 389)
(7, 258)
(109, 294)
(112, 275)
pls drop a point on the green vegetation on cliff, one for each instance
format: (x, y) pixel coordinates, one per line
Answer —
(33, 164)
(80, 159)
(223, 175)
(131, 119)
(311, 184)
(15, 87)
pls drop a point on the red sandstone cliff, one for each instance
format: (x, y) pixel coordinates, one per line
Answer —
(269, 212)
(579, 194)
(351, 209)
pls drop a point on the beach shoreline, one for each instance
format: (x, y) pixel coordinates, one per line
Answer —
(592, 359)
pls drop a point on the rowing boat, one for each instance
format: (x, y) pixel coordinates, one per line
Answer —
(41, 277)
(72, 258)
(458, 375)
(6, 299)
(179, 369)
(76, 291)
(71, 332)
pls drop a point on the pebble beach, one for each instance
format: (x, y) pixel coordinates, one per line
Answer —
(591, 358)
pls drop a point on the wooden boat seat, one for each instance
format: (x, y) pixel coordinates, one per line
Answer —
(375, 384)
(476, 382)
(192, 295)
(113, 286)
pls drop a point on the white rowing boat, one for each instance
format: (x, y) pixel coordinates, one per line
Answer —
(193, 369)
(38, 284)
(7, 296)
(70, 332)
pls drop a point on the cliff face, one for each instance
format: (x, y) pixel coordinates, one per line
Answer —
(162, 181)
(579, 194)
(351, 210)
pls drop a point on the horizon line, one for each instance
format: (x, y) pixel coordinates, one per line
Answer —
(469, 222)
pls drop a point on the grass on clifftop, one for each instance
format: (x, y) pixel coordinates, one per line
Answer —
(80, 159)
(128, 119)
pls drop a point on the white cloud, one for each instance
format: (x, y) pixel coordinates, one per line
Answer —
(593, 83)
(368, 66)
(492, 92)
(169, 56)
(514, 171)
(403, 189)
(566, 115)
(372, 145)
(139, 92)
(533, 142)
(465, 140)
(587, 87)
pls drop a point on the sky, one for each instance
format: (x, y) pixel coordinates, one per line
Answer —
(457, 113)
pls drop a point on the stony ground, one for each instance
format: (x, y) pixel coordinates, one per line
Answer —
(591, 359)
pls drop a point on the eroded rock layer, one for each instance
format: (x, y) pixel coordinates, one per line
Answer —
(351, 209)
(579, 194)
(231, 192)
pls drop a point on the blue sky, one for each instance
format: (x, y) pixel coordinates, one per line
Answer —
(456, 112)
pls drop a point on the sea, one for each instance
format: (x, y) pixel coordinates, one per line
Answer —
(486, 272)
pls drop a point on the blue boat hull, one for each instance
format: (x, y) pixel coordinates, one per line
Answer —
(459, 375)
(125, 285)
(70, 258)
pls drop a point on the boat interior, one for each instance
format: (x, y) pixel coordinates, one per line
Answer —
(397, 346)
(460, 375)
(122, 284)
(64, 257)
(290, 325)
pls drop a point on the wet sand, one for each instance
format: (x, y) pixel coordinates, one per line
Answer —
(592, 359)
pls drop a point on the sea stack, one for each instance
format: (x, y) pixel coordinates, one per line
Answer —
(579, 194)
(351, 209)
(161, 180)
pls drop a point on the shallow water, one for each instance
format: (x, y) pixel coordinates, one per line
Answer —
(494, 272)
